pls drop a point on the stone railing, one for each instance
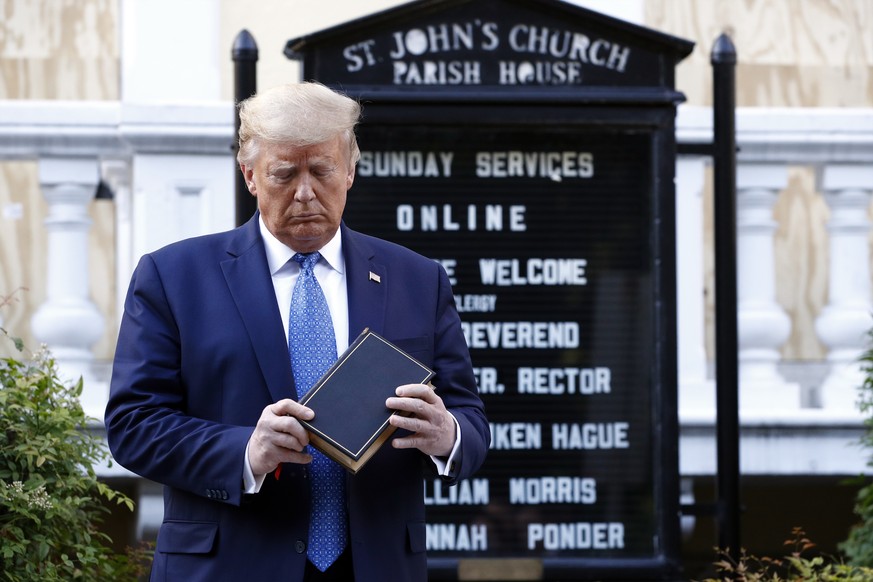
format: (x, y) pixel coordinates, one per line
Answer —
(783, 429)
(181, 158)
(164, 163)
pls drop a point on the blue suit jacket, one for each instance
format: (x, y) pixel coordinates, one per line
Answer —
(201, 351)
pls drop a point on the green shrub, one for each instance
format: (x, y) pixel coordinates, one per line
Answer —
(858, 547)
(800, 565)
(51, 502)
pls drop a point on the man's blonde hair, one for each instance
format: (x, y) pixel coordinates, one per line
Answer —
(298, 114)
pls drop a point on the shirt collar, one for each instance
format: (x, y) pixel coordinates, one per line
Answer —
(278, 253)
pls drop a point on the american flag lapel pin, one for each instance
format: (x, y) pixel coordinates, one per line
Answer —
(375, 277)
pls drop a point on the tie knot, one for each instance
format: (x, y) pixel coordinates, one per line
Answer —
(307, 261)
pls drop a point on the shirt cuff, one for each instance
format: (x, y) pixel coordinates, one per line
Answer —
(446, 466)
(251, 484)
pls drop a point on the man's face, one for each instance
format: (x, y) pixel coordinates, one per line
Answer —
(301, 191)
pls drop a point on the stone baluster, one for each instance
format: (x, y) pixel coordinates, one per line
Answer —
(69, 322)
(763, 324)
(845, 320)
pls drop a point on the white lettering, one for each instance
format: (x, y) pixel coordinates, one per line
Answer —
(541, 490)
(443, 38)
(476, 303)
(466, 492)
(534, 271)
(517, 164)
(437, 73)
(491, 41)
(449, 265)
(559, 381)
(448, 217)
(452, 536)
(590, 435)
(405, 220)
(565, 44)
(521, 334)
(539, 73)
(355, 60)
(516, 435)
(394, 164)
(486, 379)
(575, 536)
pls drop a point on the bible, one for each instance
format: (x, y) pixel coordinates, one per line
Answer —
(351, 419)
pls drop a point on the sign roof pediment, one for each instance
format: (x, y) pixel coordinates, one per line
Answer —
(435, 44)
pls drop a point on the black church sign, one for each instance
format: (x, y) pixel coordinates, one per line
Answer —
(529, 147)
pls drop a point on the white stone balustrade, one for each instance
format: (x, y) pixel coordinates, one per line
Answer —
(172, 164)
(783, 440)
(76, 144)
(844, 322)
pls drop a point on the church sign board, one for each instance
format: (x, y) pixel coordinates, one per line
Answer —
(529, 147)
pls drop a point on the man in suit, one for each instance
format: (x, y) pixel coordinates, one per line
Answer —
(203, 396)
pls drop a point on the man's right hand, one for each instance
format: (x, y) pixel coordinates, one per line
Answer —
(279, 437)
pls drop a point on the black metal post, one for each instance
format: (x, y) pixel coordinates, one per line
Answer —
(245, 59)
(724, 60)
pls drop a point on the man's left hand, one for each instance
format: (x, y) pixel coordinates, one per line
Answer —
(431, 425)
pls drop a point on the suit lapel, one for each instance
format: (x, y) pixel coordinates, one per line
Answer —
(367, 285)
(248, 278)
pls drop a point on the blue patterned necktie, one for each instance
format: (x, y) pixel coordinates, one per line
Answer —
(312, 345)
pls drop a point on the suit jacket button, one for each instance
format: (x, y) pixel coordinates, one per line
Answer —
(300, 546)
(224, 494)
(209, 493)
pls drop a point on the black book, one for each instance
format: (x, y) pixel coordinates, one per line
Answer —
(351, 419)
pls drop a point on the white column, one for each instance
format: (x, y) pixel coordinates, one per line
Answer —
(117, 174)
(845, 320)
(696, 392)
(763, 324)
(69, 322)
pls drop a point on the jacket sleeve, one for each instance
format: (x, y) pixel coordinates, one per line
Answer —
(148, 427)
(456, 384)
